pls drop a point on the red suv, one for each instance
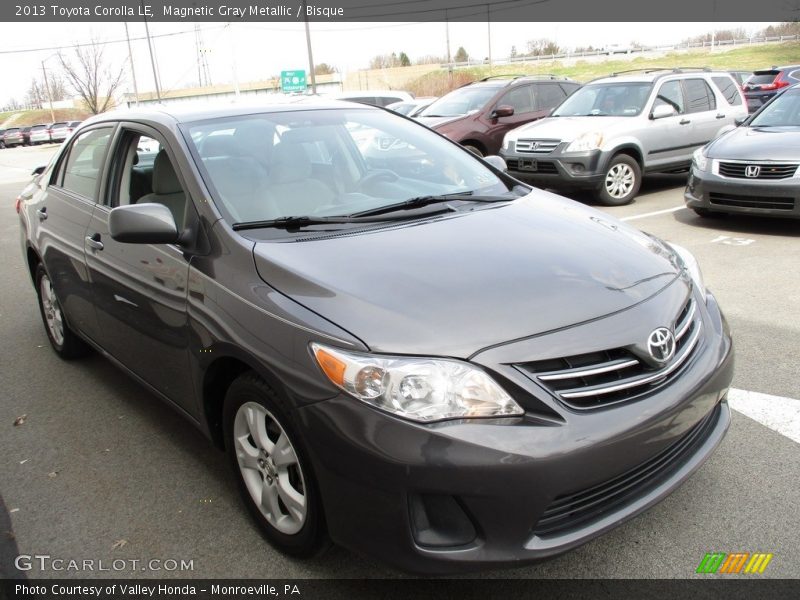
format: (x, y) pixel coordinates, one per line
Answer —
(479, 114)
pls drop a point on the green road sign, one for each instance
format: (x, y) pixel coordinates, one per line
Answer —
(293, 81)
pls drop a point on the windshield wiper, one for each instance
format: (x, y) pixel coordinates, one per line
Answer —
(420, 201)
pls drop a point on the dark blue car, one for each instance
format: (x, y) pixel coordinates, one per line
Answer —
(763, 85)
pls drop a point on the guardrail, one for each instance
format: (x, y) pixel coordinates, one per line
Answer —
(638, 50)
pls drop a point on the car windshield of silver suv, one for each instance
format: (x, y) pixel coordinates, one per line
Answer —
(606, 100)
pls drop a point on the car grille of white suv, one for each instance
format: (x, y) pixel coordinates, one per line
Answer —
(536, 146)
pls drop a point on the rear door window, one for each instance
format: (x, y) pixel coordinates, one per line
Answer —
(520, 98)
(548, 95)
(699, 97)
(85, 161)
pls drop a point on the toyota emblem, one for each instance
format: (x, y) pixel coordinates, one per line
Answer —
(661, 345)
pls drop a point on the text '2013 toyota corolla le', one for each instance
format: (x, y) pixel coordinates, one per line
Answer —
(400, 347)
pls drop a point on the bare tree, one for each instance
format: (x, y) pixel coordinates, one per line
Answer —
(91, 77)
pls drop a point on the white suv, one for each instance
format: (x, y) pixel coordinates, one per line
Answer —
(614, 129)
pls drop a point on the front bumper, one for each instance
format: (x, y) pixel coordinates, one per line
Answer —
(557, 169)
(708, 191)
(458, 496)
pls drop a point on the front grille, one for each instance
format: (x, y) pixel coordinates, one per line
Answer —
(536, 146)
(757, 170)
(532, 166)
(772, 202)
(569, 511)
(599, 379)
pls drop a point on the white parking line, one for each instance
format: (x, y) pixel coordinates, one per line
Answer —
(652, 214)
(778, 413)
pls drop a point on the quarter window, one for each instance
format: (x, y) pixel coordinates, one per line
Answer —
(727, 86)
(699, 97)
(85, 161)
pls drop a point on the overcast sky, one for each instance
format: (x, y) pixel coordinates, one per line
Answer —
(260, 50)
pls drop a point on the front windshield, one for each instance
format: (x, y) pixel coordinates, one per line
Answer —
(605, 100)
(461, 101)
(784, 111)
(329, 163)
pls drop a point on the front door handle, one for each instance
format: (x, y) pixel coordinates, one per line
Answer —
(720, 116)
(42, 212)
(94, 241)
(684, 121)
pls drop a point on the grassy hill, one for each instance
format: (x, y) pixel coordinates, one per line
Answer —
(744, 58)
(34, 117)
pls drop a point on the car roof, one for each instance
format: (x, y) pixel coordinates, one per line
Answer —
(189, 112)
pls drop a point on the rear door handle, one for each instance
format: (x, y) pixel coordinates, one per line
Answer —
(720, 116)
(684, 121)
(94, 241)
(42, 212)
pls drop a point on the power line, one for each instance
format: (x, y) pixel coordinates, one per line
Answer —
(120, 41)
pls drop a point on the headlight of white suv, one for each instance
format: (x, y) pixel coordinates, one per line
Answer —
(699, 159)
(419, 389)
(689, 262)
(585, 142)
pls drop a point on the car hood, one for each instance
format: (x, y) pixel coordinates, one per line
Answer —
(566, 129)
(452, 285)
(434, 122)
(756, 143)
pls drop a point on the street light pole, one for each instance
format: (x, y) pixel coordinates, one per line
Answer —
(310, 55)
(152, 56)
(49, 95)
(133, 69)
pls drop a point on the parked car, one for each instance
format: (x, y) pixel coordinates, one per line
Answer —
(411, 108)
(762, 85)
(62, 130)
(615, 129)
(752, 169)
(445, 372)
(479, 114)
(2, 141)
(26, 136)
(40, 134)
(13, 137)
(374, 97)
(617, 49)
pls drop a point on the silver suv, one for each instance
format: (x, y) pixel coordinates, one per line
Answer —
(614, 129)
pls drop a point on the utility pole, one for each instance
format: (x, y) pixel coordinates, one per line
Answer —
(152, 55)
(130, 59)
(310, 55)
(489, 34)
(49, 95)
(447, 35)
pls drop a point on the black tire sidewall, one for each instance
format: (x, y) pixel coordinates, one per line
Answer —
(312, 536)
(604, 197)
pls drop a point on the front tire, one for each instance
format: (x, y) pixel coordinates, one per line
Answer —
(621, 181)
(63, 340)
(271, 467)
(474, 149)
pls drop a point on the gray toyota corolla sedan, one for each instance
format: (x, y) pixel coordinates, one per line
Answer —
(753, 169)
(399, 347)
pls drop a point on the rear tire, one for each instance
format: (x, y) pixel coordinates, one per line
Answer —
(272, 468)
(63, 340)
(621, 181)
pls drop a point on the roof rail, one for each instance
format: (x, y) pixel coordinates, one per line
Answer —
(648, 70)
(503, 76)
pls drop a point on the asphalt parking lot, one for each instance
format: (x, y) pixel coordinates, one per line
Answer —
(102, 470)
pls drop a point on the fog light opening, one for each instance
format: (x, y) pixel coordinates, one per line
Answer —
(439, 521)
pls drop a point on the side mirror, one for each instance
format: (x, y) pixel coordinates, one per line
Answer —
(148, 223)
(39, 170)
(740, 120)
(497, 162)
(662, 110)
(502, 111)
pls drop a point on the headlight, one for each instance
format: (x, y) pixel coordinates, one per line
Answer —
(689, 262)
(420, 389)
(699, 159)
(585, 142)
